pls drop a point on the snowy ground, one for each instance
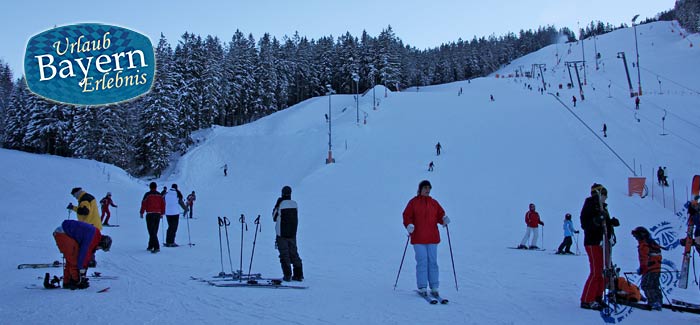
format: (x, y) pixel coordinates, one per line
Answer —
(497, 157)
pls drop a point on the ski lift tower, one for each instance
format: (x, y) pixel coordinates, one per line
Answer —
(329, 92)
(621, 55)
(575, 65)
(636, 47)
(540, 67)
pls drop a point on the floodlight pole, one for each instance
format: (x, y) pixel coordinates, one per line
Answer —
(636, 47)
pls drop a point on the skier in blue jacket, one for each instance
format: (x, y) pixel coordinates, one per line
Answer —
(565, 247)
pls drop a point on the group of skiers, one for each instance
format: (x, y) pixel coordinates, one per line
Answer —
(662, 176)
(169, 203)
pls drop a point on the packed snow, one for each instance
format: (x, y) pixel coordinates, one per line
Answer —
(497, 157)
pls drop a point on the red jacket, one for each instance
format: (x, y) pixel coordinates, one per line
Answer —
(532, 219)
(425, 214)
(153, 202)
(649, 256)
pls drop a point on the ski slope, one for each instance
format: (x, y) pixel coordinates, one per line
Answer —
(497, 157)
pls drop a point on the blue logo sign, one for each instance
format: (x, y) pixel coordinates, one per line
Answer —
(89, 64)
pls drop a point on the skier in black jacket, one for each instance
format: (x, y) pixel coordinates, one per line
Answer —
(593, 214)
(286, 220)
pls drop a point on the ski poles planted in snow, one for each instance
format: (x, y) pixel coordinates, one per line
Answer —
(449, 242)
(408, 237)
(255, 238)
(243, 223)
(221, 249)
(228, 245)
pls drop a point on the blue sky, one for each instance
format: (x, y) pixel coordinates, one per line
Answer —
(423, 24)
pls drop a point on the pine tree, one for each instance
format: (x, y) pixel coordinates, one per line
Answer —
(48, 126)
(17, 117)
(6, 86)
(190, 60)
(266, 76)
(213, 83)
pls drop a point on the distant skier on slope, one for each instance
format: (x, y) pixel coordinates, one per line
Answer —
(592, 218)
(565, 246)
(636, 103)
(532, 221)
(420, 218)
(285, 216)
(438, 147)
(105, 203)
(660, 176)
(431, 166)
(573, 98)
(190, 202)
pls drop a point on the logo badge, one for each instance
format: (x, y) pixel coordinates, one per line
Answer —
(89, 64)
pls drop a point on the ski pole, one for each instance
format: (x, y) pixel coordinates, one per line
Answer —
(408, 237)
(578, 251)
(255, 238)
(162, 228)
(189, 239)
(221, 249)
(542, 232)
(449, 242)
(240, 270)
(69, 211)
(228, 246)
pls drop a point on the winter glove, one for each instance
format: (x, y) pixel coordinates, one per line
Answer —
(410, 228)
(639, 271)
(576, 231)
(542, 223)
(70, 206)
(445, 221)
(142, 216)
(614, 222)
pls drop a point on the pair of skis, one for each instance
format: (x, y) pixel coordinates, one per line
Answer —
(39, 265)
(433, 299)
(254, 281)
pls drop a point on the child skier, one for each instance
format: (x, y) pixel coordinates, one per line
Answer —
(565, 247)
(649, 266)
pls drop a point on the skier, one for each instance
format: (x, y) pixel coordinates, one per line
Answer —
(574, 99)
(87, 207)
(438, 146)
(636, 103)
(78, 241)
(225, 167)
(420, 218)
(592, 218)
(532, 220)
(660, 176)
(190, 202)
(565, 246)
(430, 166)
(665, 176)
(492, 98)
(694, 219)
(285, 216)
(105, 203)
(605, 130)
(154, 206)
(649, 266)
(173, 202)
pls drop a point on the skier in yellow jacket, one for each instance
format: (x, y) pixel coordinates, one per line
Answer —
(87, 207)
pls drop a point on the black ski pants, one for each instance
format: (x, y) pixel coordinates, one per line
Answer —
(652, 287)
(152, 222)
(173, 221)
(565, 245)
(288, 255)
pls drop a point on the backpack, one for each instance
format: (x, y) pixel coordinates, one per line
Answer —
(627, 291)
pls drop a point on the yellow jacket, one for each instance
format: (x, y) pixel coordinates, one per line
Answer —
(87, 210)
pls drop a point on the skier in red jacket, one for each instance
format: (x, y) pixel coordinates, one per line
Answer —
(421, 217)
(532, 220)
(153, 204)
(105, 203)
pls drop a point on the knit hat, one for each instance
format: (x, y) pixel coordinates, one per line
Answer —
(640, 233)
(595, 188)
(286, 191)
(153, 185)
(174, 186)
(75, 190)
(422, 184)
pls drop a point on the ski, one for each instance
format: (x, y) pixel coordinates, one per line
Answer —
(442, 300)
(244, 278)
(238, 275)
(528, 249)
(265, 284)
(685, 304)
(103, 290)
(110, 225)
(685, 267)
(633, 304)
(40, 265)
(41, 287)
(429, 299)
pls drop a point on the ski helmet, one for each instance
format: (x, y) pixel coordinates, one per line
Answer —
(286, 191)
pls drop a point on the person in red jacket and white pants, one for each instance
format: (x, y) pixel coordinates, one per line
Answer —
(421, 217)
(532, 219)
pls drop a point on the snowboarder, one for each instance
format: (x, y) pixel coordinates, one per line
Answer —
(660, 176)
(78, 241)
(649, 266)
(565, 246)
(173, 204)
(420, 218)
(636, 103)
(190, 202)
(430, 166)
(605, 130)
(153, 205)
(574, 100)
(592, 219)
(225, 167)
(105, 203)
(285, 216)
(87, 207)
(532, 220)
(438, 146)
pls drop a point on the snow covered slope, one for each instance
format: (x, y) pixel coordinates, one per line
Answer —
(497, 157)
